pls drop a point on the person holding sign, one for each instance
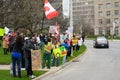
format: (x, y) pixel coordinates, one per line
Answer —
(28, 45)
(66, 48)
(57, 55)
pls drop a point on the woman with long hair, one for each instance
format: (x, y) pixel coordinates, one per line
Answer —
(16, 55)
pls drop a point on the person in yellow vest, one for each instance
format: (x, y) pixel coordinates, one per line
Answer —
(47, 54)
(56, 54)
(74, 42)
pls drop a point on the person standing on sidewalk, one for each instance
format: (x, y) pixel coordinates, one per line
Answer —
(67, 48)
(28, 45)
(47, 54)
(56, 54)
(16, 55)
(79, 43)
(5, 44)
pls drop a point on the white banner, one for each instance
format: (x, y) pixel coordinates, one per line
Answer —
(66, 8)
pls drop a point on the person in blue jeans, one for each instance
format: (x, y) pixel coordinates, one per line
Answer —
(66, 47)
(16, 55)
(28, 45)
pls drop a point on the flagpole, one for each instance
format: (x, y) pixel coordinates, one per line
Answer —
(43, 18)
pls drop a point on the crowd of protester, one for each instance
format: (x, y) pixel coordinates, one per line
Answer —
(55, 46)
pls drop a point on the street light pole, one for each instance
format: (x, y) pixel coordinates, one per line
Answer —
(71, 15)
(113, 30)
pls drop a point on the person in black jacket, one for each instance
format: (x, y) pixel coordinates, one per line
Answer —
(28, 45)
(16, 55)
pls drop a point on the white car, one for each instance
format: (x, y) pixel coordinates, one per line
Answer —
(101, 42)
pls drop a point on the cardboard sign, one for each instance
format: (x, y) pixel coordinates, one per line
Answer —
(36, 59)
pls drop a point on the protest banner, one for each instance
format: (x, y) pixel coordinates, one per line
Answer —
(52, 29)
(36, 59)
(2, 31)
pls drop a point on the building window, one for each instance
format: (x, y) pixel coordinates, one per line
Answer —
(116, 12)
(116, 31)
(100, 30)
(100, 6)
(116, 20)
(108, 5)
(108, 13)
(107, 30)
(100, 13)
(108, 21)
(116, 4)
(100, 21)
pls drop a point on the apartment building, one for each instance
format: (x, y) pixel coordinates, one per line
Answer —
(103, 15)
(83, 13)
(107, 17)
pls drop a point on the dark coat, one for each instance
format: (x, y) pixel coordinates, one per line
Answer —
(27, 48)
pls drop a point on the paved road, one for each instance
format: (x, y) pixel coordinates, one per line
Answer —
(95, 64)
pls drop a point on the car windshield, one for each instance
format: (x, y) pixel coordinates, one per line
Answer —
(101, 38)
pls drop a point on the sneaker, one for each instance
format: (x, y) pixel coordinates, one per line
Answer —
(32, 76)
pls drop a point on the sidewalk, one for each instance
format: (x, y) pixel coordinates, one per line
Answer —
(4, 67)
(49, 71)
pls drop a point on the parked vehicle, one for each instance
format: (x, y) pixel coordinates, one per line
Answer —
(101, 42)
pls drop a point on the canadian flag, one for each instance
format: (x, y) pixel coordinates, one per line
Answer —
(50, 12)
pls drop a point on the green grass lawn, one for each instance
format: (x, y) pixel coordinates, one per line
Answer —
(4, 59)
(75, 54)
(5, 75)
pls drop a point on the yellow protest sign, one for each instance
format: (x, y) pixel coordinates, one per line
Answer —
(57, 52)
(63, 51)
(2, 31)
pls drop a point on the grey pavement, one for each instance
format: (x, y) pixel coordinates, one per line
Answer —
(4, 67)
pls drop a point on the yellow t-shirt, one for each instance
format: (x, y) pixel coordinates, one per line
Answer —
(74, 41)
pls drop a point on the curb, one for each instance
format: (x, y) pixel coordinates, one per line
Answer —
(58, 68)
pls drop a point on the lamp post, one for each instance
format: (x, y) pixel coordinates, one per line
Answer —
(71, 15)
